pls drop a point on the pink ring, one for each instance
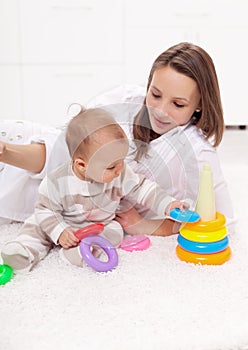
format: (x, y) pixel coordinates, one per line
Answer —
(131, 243)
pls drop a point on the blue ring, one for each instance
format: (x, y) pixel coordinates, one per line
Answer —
(184, 216)
(96, 264)
(202, 247)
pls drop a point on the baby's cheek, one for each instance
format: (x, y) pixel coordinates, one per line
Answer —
(94, 173)
(107, 177)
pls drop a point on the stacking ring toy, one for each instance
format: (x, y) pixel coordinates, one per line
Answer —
(184, 216)
(6, 274)
(198, 236)
(207, 226)
(202, 248)
(100, 266)
(131, 243)
(204, 259)
(89, 230)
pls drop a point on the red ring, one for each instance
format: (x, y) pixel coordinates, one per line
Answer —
(86, 231)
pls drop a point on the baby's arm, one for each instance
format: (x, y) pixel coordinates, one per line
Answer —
(149, 194)
(134, 224)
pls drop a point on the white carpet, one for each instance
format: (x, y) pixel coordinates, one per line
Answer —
(151, 301)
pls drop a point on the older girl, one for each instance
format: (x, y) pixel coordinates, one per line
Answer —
(173, 131)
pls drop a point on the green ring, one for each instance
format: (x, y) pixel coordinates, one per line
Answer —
(6, 273)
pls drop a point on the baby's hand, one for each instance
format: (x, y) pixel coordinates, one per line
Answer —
(177, 204)
(67, 239)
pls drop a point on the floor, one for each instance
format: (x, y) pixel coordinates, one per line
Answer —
(152, 300)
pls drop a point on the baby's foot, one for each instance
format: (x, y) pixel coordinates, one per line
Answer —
(72, 256)
(16, 256)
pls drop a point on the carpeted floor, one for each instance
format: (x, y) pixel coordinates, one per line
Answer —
(151, 301)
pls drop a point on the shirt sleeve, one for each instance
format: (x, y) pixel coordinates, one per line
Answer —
(48, 210)
(139, 190)
(117, 95)
(51, 139)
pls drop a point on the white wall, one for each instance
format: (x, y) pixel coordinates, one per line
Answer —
(55, 52)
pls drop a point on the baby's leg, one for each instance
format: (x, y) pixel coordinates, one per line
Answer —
(29, 247)
(113, 232)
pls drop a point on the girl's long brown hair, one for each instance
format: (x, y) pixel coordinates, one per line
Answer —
(192, 61)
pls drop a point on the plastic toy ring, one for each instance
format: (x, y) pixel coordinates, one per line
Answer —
(198, 236)
(184, 216)
(202, 248)
(131, 243)
(206, 226)
(96, 264)
(6, 274)
(89, 230)
(204, 259)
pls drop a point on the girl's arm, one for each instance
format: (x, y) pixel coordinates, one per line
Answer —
(134, 224)
(31, 157)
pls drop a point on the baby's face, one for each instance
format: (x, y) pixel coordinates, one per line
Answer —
(106, 159)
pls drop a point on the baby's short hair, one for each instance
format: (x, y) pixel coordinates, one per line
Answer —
(82, 128)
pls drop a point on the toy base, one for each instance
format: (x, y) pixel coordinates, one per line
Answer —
(204, 259)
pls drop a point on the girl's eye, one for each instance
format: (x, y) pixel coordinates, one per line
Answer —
(155, 95)
(178, 105)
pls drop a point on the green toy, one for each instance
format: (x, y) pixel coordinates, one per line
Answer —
(6, 273)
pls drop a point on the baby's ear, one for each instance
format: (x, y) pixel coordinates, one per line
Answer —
(80, 163)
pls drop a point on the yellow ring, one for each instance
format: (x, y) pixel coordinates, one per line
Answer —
(206, 226)
(197, 236)
(204, 259)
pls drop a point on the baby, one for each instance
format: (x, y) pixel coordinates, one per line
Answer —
(86, 190)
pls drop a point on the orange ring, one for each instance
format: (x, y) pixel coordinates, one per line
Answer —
(204, 259)
(206, 226)
(198, 236)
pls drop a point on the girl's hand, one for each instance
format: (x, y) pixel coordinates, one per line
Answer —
(67, 239)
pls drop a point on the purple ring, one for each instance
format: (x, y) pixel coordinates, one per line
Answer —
(96, 264)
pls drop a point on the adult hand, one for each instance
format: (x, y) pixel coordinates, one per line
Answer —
(2, 149)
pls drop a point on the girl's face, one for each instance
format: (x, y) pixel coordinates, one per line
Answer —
(171, 99)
